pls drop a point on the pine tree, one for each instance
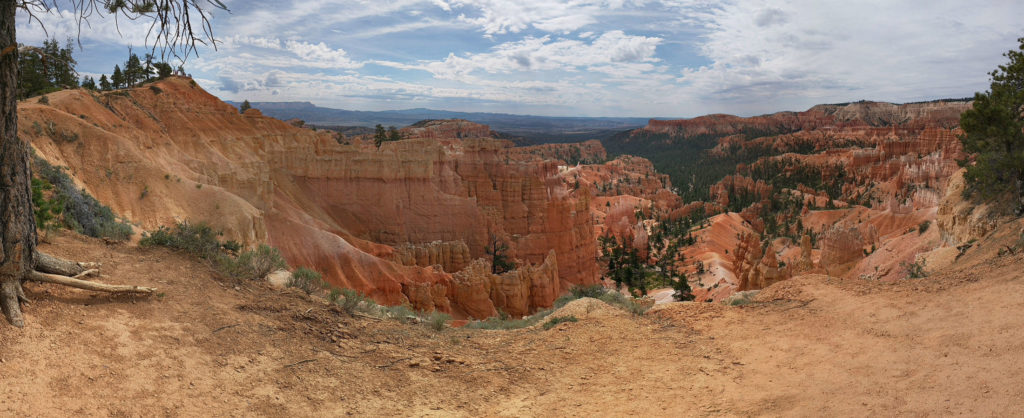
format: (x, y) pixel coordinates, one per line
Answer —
(681, 289)
(104, 83)
(148, 71)
(994, 131)
(133, 71)
(379, 135)
(117, 78)
(393, 134)
(245, 106)
(88, 83)
(45, 69)
(163, 70)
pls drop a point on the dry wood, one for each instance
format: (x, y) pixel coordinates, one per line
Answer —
(49, 264)
(87, 285)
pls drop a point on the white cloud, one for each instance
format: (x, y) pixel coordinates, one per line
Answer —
(805, 51)
(544, 54)
(505, 16)
(597, 57)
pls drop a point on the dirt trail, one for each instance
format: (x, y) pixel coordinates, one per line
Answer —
(948, 344)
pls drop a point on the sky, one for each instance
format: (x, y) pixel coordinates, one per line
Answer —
(637, 58)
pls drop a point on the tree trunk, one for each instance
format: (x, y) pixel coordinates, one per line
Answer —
(17, 221)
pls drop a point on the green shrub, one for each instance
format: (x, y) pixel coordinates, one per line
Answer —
(915, 270)
(201, 241)
(198, 239)
(81, 212)
(592, 291)
(47, 209)
(352, 300)
(232, 246)
(307, 280)
(437, 320)
(558, 320)
(44, 100)
(399, 313)
(259, 262)
(334, 296)
(923, 226)
(497, 323)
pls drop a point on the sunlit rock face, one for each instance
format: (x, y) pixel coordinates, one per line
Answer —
(398, 222)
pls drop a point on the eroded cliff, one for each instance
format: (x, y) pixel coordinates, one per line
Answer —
(369, 218)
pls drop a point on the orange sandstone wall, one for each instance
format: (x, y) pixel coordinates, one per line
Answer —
(172, 152)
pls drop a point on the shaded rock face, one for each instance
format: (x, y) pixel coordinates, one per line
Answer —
(374, 220)
(961, 221)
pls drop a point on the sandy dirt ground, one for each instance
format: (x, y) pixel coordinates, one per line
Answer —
(949, 344)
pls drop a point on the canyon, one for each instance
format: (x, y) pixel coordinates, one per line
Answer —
(846, 190)
(402, 223)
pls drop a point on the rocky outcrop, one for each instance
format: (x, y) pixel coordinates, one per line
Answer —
(757, 267)
(452, 256)
(961, 221)
(805, 262)
(841, 245)
(446, 129)
(372, 219)
(589, 152)
(940, 114)
(518, 292)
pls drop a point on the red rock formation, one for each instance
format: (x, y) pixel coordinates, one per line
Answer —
(589, 152)
(336, 208)
(841, 245)
(739, 185)
(894, 159)
(875, 114)
(452, 256)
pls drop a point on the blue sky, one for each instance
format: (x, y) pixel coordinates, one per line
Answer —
(645, 58)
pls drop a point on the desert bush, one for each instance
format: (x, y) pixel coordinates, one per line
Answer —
(258, 262)
(198, 239)
(437, 320)
(558, 320)
(231, 246)
(81, 212)
(497, 323)
(741, 298)
(201, 241)
(47, 208)
(398, 313)
(44, 100)
(923, 226)
(334, 295)
(592, 291)
(307, 280)
(352, 300)
(915, 270)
